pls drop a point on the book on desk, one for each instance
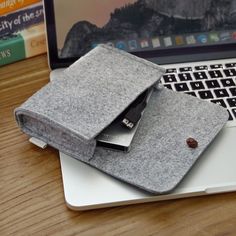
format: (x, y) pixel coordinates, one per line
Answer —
(22, 33)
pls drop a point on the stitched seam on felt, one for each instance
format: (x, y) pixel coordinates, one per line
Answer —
(46, 119)
(89, 154)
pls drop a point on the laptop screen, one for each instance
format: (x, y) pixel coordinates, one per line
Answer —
(140, 26)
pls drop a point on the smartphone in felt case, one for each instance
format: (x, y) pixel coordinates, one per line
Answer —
(70, 112)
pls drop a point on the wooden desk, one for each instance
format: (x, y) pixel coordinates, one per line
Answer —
(31, 192)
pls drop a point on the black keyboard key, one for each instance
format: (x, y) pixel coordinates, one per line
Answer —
(216, 66)
(169, 78)
(227, 82)
(220, 93)
(233, 91)
(231, 102)
(192, 94)
(202, 67)
(229, 65)
(230, 72)
(212, 84)
(185, 69)
(181, 87)
(168, 86)
(219, 102)
(185, 76)
(234, 112)
(171, 70)
(197, 85)
(215, 74)
(205, 94)
(200, 75)
(230, 116)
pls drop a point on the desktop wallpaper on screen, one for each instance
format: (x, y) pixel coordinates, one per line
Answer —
(137, 25)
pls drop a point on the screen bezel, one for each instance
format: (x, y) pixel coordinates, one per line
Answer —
(161, 56)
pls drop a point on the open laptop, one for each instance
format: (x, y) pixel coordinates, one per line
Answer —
(194, 40)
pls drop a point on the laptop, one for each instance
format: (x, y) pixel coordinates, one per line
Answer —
(194, 40)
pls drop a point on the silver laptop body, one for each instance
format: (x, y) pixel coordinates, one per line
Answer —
(208, 73)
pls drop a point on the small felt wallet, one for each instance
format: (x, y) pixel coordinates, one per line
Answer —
(71, 111)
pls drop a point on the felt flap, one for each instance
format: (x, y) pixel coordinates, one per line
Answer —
(159, 156)
(102, 84)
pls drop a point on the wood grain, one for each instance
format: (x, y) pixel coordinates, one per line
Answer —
(31, 192)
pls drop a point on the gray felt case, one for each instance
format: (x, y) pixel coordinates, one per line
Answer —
(71, 111)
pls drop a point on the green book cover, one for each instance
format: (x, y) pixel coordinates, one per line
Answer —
(12, 49)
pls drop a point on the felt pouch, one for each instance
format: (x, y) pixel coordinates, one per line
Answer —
(71, 111)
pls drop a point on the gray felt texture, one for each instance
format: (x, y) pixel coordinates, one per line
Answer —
(70, 111)
(103, 83)
(159, 156)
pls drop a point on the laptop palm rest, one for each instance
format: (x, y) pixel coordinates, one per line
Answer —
(87, 188)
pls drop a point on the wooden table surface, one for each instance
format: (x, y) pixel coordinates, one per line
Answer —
(31, 191)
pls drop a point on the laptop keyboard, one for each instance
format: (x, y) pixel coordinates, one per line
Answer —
(215, 83)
